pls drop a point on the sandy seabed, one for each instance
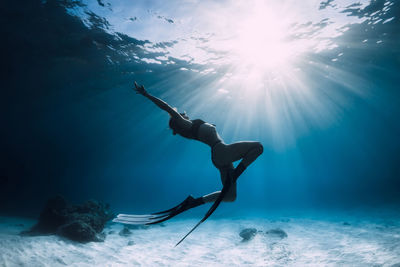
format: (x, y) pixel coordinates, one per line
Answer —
(309, 242)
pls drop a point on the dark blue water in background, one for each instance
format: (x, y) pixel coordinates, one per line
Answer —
(71, 125)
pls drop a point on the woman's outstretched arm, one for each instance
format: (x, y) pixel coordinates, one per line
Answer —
(163, 105)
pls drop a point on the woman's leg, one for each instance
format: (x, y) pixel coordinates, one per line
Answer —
(231, 195)
(245, 151)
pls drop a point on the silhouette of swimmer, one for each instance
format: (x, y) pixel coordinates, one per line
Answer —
(222, 156)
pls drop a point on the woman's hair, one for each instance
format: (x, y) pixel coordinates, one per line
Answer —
(176, 129)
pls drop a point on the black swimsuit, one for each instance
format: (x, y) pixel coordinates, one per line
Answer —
(194, 130)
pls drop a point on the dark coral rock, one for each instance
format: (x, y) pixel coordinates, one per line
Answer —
(131, 242)
(248, 234)
(346, 224)
(125, 232)
(94, 213)
(78, 231)
(52, 216)
(81, 223)
(277, 232)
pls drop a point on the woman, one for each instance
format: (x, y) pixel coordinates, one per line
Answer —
(222, 156)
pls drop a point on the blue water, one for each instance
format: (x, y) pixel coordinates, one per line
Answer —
(72, 125)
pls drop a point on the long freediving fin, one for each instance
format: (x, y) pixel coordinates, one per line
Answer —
(157, 217)
(221, 196)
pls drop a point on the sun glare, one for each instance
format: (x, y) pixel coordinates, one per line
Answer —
(261, 48)
(260, 41)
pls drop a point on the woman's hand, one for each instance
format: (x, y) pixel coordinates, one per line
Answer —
(140, 89)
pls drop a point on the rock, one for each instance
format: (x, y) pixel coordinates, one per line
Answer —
(277, 232)
(111, 232)
(94, 213)
(78, 231)
(346, 223)
(131, 242)
(52, 216)
(82, 223)
(248, 234)
(125, 232)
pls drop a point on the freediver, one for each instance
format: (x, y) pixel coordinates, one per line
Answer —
(222, 156)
